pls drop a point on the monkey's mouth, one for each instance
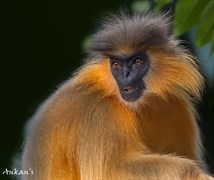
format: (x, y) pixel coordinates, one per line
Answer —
(131, 93)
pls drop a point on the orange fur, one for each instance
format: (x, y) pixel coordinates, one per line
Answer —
(174, 74)
(85, 130)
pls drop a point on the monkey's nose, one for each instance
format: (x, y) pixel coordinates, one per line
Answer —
(128, 89)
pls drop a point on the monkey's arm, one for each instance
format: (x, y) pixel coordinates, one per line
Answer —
(161, 167)
(170, 126)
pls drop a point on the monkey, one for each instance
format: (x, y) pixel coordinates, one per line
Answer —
(127, 113)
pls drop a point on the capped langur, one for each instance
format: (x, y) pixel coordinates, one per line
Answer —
(128, 113)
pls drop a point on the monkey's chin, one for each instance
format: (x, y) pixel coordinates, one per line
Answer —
(133, 96)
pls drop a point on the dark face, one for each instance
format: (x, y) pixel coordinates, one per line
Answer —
(129, 71)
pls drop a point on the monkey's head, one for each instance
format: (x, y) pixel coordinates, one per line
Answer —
(144, 58)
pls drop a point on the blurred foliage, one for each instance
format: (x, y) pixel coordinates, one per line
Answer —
(161, 3)
(194, 13)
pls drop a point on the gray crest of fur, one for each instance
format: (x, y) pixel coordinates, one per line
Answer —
(133, 30)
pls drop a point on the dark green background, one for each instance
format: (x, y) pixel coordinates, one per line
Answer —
(41, 44)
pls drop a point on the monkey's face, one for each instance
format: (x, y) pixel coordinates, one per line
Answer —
(129, 72)
(145, 60)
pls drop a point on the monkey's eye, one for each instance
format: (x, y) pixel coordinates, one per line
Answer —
(115, 65)
(138, 62)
